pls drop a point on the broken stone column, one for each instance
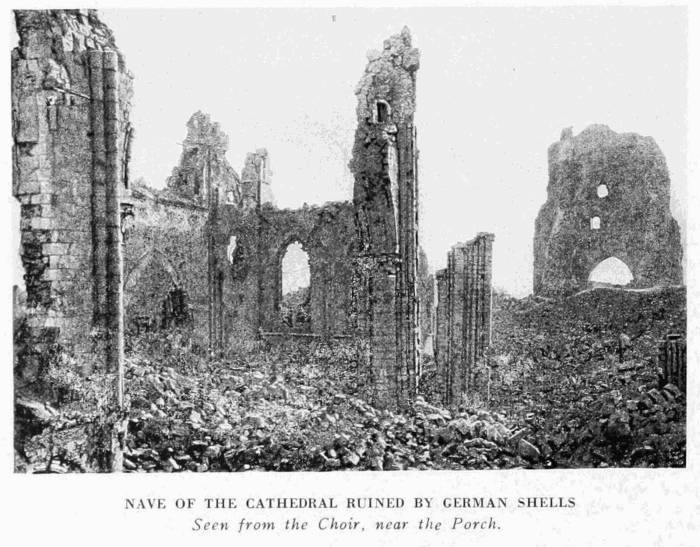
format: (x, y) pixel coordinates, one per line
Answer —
(385, 197)
(608, 196)
(672, 359)
(463, 315)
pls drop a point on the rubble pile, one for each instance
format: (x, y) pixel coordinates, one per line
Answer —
(297, 407)
(557, 371)
(558, 395)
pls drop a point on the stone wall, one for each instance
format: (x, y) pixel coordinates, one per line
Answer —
(608, 196)
(166, 251)
(206, 252)
(252, 272)
(463, 315)
(70, 106)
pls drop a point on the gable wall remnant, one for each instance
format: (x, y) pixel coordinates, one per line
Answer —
(608, 196)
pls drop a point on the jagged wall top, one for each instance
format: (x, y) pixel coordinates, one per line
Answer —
(389, 76)
(44, 33)
(205, 143)
(608, 195)
(633, 161)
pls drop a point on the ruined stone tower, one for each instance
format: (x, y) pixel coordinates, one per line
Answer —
(608, 196)
(385, 196)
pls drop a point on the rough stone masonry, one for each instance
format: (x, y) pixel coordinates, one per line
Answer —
(384, 164)
(463, 316)
(70, 111)
(104, 255)
(608, 196)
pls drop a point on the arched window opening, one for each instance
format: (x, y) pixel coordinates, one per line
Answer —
(611, 271)
(595, 223)
(296, 284)
(602, 190)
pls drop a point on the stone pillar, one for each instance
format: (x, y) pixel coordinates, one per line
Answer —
(99, 162)
(441, 326)
(463, 316)
(114, 258)
(672, 358)
(385, 198)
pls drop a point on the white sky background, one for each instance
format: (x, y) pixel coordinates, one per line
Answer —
(495, 88)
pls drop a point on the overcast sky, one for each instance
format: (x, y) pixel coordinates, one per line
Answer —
(495, 88)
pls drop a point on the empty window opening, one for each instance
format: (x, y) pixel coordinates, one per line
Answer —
(602, 190)
(595, 223)
(296, 284)
(382, 112)
(231, 249)
(229, 197)
(611, 271)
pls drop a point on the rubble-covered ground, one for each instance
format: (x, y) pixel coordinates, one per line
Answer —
(554, 395)
(556, 372)
(291, 406)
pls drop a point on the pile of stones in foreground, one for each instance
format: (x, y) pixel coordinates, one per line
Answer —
(263, 423)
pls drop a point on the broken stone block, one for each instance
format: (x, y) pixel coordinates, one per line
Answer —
(528, 451)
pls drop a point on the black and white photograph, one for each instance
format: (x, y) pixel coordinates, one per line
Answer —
(334, 239)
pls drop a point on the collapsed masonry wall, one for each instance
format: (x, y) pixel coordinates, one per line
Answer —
(385, 196)
(166, 247)
(203, 165)
(170, 244)
(463, 315)
(251, 246)
(608, 196)
(70, 123)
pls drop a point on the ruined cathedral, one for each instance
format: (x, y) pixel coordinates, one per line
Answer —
(105, 256)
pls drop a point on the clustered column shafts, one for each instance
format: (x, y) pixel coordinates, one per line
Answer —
(107, 249)
(463, 315)
(408, 250)
(107, 240)
(210, 253)
(99, 196)
(672, 358)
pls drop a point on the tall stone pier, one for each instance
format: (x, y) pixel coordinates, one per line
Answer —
(463, 315)
(70, 118)
(385, 197)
